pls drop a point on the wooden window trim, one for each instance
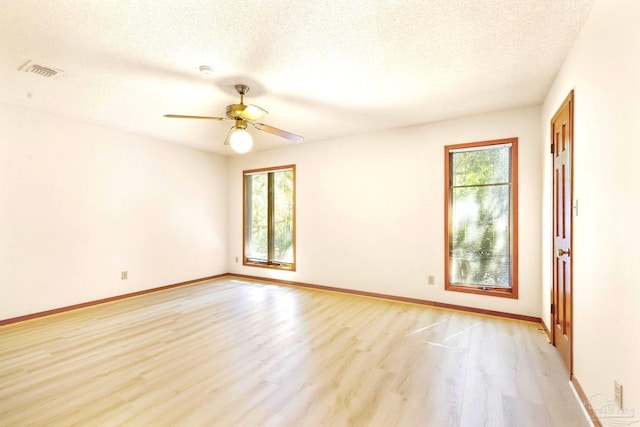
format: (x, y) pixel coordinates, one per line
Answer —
(268, 264)
(504, 293)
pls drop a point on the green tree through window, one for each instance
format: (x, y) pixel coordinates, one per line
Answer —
(481, 208)
(269, 217)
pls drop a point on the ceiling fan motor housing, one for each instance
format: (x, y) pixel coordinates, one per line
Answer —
(234, 110)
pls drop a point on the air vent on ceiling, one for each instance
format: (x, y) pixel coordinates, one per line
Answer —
(41, 70)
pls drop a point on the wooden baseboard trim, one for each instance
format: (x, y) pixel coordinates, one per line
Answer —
(284, 282)
(546, 329)
(585, 402)
(396, 298)
(104, 300)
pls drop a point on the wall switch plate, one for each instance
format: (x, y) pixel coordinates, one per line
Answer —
(431, 280)
(617, 393)
(124, 275)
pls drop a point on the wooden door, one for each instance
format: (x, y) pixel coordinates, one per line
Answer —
(562, 292)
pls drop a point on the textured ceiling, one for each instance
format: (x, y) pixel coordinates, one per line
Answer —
(322, 69)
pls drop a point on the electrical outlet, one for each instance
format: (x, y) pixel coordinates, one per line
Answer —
(236, 260)
(617, 393)
(124, 275)
(431, 280)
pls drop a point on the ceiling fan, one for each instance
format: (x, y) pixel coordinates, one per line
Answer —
(243, 115)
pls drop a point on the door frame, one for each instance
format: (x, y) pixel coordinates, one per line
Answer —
(569, 100)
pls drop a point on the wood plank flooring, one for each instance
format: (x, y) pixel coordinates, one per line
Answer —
(238, 353)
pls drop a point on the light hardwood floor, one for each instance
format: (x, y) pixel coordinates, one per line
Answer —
(238, 353)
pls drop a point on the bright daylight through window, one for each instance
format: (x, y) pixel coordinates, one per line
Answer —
(481, 214)
(269, 217)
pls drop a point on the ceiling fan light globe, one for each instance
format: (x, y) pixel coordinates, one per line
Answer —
(241, 141)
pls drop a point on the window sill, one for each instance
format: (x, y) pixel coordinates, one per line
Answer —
(283, 267)
(494, 292)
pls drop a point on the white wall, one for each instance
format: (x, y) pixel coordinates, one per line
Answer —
(370, 209)
(80, 203)
(604, 69)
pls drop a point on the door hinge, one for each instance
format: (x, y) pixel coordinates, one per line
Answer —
(553, 146)
(553, 309)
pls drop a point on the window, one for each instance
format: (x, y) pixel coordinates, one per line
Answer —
(481, 217)
(269, 217)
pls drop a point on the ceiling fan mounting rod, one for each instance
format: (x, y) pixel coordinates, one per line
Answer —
(242, 90)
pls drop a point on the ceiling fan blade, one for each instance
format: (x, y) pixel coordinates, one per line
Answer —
(279, 132)
(180, 116)
(253, 112)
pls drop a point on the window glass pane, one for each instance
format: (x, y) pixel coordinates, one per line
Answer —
(481, 166)
(480, 236)
(283, 216)
(257, 216)
(269, 218)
